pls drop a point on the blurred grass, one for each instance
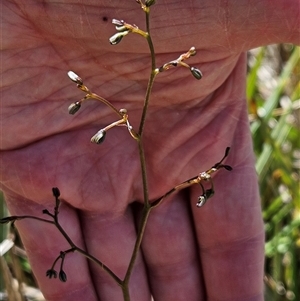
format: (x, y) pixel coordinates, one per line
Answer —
(273, 95)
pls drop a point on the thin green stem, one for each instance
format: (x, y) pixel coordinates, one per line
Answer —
(145, 109)
(147, 208)
(34, 217)
(125, 291)
(144, 172)
(146, 102)
(152, 75)
(106, 102)
(101, 264)
(188, 183)
(86, 254)
(143, 222)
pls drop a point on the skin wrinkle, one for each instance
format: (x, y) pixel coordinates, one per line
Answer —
(89, 24)
(238, 243)
(72, 293)
(224, 20)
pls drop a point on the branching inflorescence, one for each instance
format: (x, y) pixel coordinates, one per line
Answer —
(124, 29)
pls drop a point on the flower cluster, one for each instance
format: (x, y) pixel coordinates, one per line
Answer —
(206, 176)
(122, 32)
(122, 113)
(100, 135)
(52, 273)
(123, 29)
(180, 62)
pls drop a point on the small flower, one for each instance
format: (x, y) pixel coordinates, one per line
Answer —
(123, 112)
(75, 78)
(196, 73)
(74, 107)
(148, 3)
(201, 201)
(205, 196)
(117, 38)
(99, 137)
(120, 25)
(62, 276)
(204, 176)
(117, 22)
(192, 51)
(51, 273)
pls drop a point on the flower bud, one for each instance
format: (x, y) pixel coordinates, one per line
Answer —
(192, 51)
(148, 3)
(201, 200)
(74, 107)
(51, 273)
(117, 22)
(75, 78)
(117, 38)
(99, 137)
(196, 73)
(56, 192)
(62, 276)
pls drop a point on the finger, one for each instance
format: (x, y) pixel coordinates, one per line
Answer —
(231, 237)
(170, 252)
(43, 243)
(111, 238)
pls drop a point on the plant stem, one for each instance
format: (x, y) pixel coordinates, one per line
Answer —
(144, 172)
(143, 222)
(101, 264)
(125, 291)
(147, 208)
(36, 218)
(84, 253)
(152, 75)
(103, 100)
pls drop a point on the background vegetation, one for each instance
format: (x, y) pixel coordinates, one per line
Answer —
(273, 95)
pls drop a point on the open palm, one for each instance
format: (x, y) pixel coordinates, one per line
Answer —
(212, 253)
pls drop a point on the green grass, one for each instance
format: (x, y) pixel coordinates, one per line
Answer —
(273, 95)
(276, 140)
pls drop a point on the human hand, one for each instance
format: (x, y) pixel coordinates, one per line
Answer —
(212, 253)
